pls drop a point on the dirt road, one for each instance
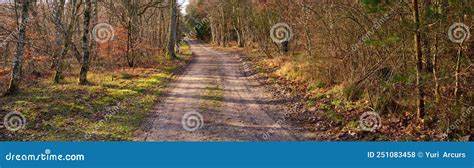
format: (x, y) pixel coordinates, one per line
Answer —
(213, 100)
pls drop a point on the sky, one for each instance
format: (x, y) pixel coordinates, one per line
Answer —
(183, 3)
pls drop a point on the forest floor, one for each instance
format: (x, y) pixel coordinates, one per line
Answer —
(112, 107)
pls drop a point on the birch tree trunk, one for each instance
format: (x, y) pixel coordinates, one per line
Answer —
(85, 44)
(18, 59)
(57, 59)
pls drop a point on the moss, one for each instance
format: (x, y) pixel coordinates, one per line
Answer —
(335, 116)
(337, 102)
(353, 124)
(324, 107)
(120, 94)
(310, 103)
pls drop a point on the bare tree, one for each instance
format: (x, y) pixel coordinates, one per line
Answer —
(129, 14)
(85, 44)
(18, 59)
(64, 36)
(419, 63)
(172, 31)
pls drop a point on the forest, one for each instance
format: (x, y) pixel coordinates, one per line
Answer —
(341, 70)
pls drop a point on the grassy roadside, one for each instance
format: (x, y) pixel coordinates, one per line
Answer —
(323, 109)
(325, 112)
(113, 107)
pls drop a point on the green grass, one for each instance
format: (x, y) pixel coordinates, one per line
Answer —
(72, 112)
(335, 116)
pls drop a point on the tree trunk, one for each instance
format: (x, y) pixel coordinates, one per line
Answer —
(164, 31)
(238, 31)
(218, 33)
(160, 32)
(239, 37)
(178, 34)
(236, 25)
(130, 52)
(458, 65)
(435, 72)
(57, 60)
(419, 63)
(18, 59)
(458, 69)
(85, 44)
(213, 31)
(5, 55)
(222, 29)
(94, 47)
(426, 42)
(172, 31)
(427, 47)
(307, 33)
